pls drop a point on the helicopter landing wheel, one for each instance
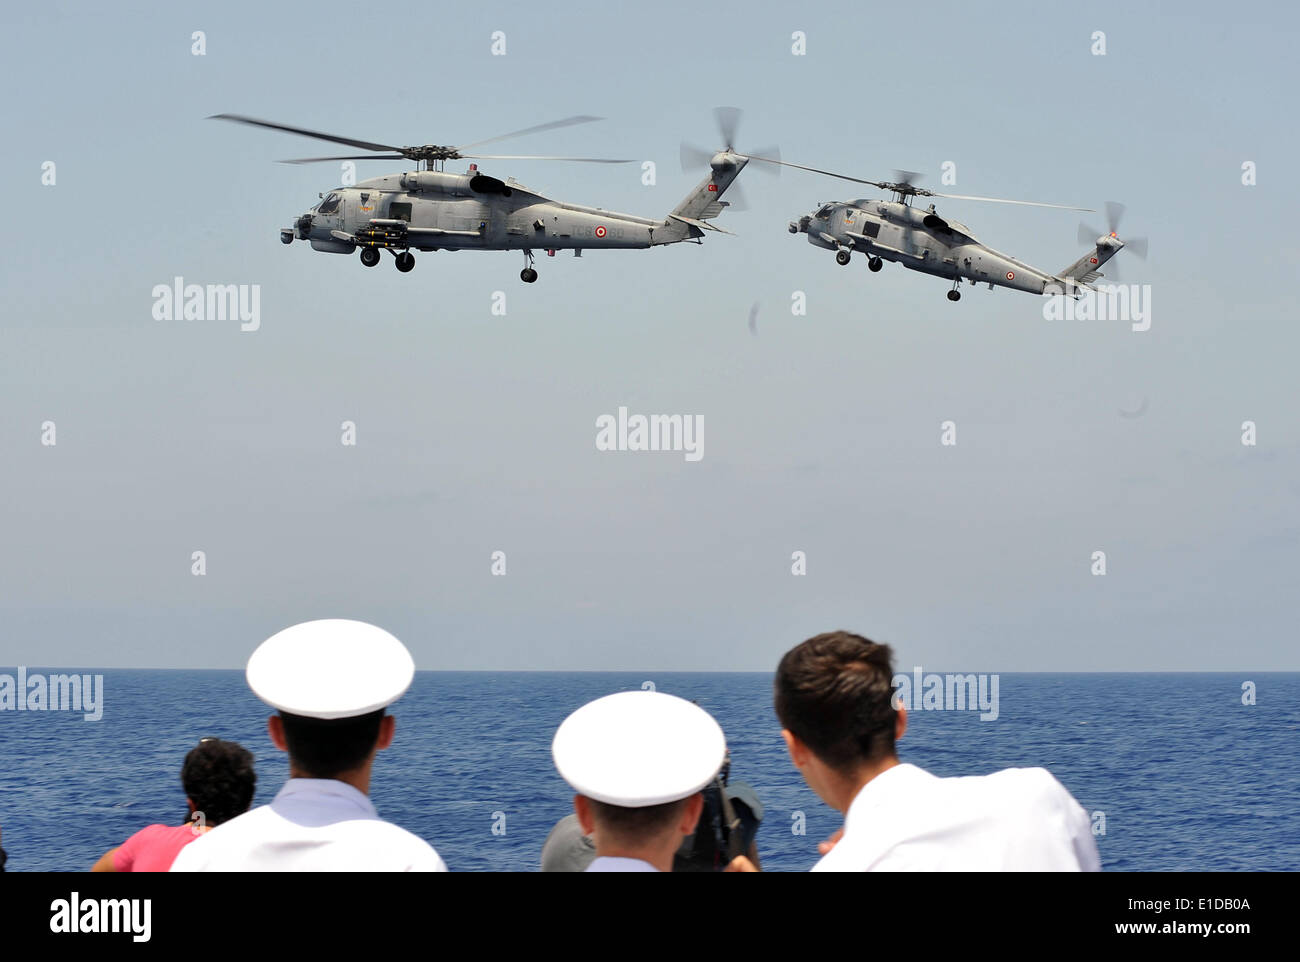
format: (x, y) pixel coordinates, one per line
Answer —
(370, 256)
(528, 275)
(954, 295)
(405, 261)
(842, 258)
(875, 264)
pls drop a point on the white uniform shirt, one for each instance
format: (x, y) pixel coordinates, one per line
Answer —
(313, 825)
(1018, 819)
(614, 863)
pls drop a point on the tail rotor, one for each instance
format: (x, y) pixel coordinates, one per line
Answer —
(1114, 214)
(694, 157)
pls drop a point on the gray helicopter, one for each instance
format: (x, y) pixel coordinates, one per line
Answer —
(429, 209)
(921, 240)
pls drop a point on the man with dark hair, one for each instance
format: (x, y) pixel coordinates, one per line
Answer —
(219, 782)
(330, 681)
(834, 698)
(638, 760)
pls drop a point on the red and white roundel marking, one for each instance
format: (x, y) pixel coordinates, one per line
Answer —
(1092, 260)
(600, 231)
(1011, 275)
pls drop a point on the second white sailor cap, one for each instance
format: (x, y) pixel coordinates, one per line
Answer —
(332, 668)
(639, 748)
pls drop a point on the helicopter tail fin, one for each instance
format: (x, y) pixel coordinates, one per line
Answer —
(1088, 267)
(690, 219)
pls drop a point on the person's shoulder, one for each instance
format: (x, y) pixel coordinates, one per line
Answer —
(197, 855)
(410, 838)
(1044, 808)
(1012, 793)
(124, 855)
(1015, 781)
(150, 833)
(1029, 776)
(1036, 800)
(248, 821)
(1037, 783)
(567, 848)
(193, 857)
(421, 856)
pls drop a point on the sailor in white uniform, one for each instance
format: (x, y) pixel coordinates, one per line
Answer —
(1019, 819)
(840, 721)
(330, 681)
(637, 761)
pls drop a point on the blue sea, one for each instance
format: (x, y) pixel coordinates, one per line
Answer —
(1187, 776)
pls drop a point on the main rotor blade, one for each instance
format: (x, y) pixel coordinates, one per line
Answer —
(815, 170)
(317, 160)
(304, 132)
(581, 160)
(1001, 200)
(773, 156)
(552, 125)
(728, 119)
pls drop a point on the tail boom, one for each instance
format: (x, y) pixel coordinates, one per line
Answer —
(1087, 268)
(690, 219)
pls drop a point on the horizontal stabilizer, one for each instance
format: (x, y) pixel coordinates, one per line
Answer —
(699, 224)
(714, 209)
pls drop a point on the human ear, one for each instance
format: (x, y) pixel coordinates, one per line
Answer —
(275, 728)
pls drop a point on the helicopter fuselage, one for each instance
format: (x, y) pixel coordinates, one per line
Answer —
(920, 240)
(433, 210)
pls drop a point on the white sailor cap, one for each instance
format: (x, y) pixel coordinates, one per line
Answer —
(332, 668)
(639, 748)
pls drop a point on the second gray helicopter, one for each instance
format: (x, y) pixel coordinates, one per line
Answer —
(922, 240)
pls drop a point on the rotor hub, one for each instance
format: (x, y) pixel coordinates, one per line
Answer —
(724, 159)
(431, 152)
(904, 191)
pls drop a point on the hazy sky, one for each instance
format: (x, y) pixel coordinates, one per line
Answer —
(476, 432)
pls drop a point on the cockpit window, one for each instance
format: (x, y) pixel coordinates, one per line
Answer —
(330, 204)
(824, 212)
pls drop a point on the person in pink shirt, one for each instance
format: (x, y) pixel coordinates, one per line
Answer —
(219, 782)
